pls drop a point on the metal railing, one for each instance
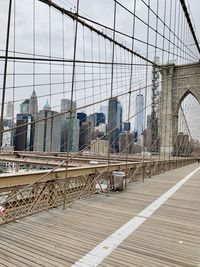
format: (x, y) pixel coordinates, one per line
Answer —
(19, 199)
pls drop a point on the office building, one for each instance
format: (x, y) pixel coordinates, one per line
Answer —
(119, 116)
(24, 106)
(33, 105)
(114, 123)
(10, 110)
(104, 110)
(7, 140)
(69, 127)
(127, 126)
(82, 117)
(23, 138)
(71, 138)
(67, 105)
(99, 147)
(85, 136)
(99, 117)
(47, 131)
(91, 120)
(139, 119)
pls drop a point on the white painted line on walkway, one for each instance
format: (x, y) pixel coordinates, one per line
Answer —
(100, 252)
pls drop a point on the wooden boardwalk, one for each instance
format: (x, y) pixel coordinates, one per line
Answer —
(59, 238)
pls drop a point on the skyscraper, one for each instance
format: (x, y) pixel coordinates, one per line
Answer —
(8, 122)
(69, 127)
(47, 131)
(71, 143)
(84, 130)
(7, 140)
(139, 120)
(8, 137)
(33, 109)
(33, 105)
(10, 110)
(24, 106)
(119, 116)
(114, 123)
(85, 136)
(23, 139)
(91, 119)
(24, 135)
(104, 110)
(82, 117)
(66, 106)
(99, 147)
(127, 126)
(99, 117)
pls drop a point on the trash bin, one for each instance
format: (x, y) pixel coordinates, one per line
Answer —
(119, 182)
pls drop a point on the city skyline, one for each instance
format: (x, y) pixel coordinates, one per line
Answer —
(51, 134)
(54, 82)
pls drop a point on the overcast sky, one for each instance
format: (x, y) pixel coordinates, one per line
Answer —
(195, 7)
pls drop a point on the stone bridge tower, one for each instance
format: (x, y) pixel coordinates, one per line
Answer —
(177, 83)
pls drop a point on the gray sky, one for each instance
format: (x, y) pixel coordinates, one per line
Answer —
(195, 7)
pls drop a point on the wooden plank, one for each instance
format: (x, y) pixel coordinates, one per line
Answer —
(60, 237)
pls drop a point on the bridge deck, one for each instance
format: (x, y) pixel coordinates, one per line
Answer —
(169, 237)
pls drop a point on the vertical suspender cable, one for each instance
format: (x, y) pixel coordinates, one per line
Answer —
(146, 85)
(130, 86)
(112, 76)
(14, 76)
(5, 71)
(71, 103)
